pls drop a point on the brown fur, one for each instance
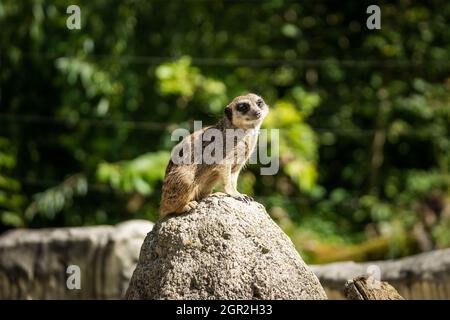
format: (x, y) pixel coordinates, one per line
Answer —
(186, 184)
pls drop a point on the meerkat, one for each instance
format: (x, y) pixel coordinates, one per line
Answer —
(186, 183)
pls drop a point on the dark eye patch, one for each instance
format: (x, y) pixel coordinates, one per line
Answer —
(260, 103)
(243, 107)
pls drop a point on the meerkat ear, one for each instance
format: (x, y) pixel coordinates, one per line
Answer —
(228, 113)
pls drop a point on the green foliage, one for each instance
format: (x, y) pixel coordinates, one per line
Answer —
(297, 142)
(53, 200)
(181, 79)
(137, 175)
(11, 197)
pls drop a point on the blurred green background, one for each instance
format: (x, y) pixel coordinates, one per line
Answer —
(364, 115)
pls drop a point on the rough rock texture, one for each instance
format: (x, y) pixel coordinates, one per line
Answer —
(224, 249)
(33, 263)
(422, 276)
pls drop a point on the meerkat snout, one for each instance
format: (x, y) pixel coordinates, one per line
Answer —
(257, 114)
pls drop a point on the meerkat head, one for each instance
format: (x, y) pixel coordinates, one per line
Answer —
(247, 111)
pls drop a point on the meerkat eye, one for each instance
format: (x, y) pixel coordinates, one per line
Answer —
(243, 107)
(260, 103)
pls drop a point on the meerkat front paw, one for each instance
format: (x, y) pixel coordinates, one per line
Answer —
(190, 206)
(243, 197)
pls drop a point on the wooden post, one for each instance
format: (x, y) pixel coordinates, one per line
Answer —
(368, 288)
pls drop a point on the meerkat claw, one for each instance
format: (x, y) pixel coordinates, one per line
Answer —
(250, 199)
(244, 198)
(190, 206)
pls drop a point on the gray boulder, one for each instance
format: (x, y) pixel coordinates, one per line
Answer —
(421, 276)
(34, 263)
(223, 249)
